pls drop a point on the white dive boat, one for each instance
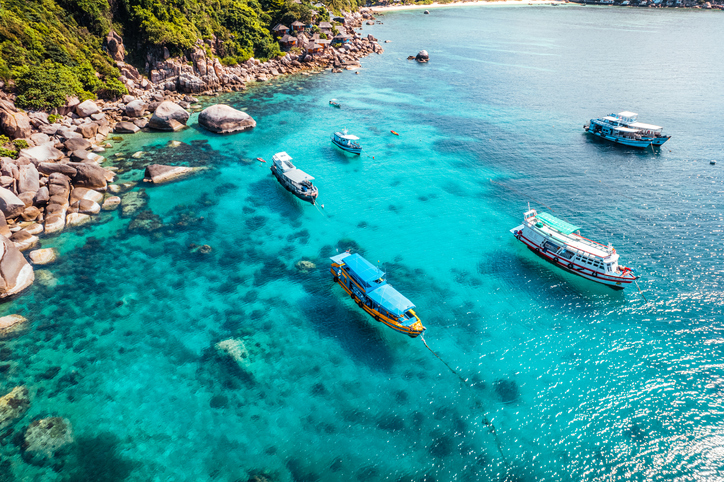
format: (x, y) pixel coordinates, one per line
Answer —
(561, 243)
(346, 142)
(623, 128)
(630, 119)
(294, 180)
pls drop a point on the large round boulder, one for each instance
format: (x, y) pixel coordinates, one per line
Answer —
(223, 119)
(168, 116)
(135, 108)
(87, 108)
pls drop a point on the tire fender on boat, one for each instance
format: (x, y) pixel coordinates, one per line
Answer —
(570, 266)
(336, 280)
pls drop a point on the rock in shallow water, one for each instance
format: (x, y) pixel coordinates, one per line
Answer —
(43, 256)
(47, 439)
(158, 173)
(12, 326)
(13, 405)
(224, 119)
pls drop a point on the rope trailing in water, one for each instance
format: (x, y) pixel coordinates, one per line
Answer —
(642, 293)
(486, 421)
(524, 196)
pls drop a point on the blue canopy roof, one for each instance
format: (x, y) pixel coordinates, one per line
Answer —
(363, 269)
(390, 299)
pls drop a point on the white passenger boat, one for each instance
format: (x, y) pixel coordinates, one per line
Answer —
(623, 128)
(630, 119)
(294, 180)
(346, 142)
(561, 243)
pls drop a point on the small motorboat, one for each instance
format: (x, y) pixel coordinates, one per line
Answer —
(561, 243)
(395, 133)
(346, 142)
(366, 285)
(294, 180)
(334, 103)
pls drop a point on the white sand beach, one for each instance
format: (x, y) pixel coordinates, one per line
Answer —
(491, 3)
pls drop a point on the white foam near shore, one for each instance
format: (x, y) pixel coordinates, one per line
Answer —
(489, 3)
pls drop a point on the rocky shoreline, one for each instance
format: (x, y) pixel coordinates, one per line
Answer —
(57, 177)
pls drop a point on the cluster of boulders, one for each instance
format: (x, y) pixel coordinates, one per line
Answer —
(58, 180)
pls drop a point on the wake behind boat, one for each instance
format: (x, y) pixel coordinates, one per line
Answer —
(346, 142)
(560, 243)
(365, 283)
(294, 180)
(623, 128)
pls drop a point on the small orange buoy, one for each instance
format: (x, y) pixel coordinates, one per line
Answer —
(395, 133)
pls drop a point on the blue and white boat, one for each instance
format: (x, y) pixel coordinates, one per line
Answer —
(630, 119)
(366, 285)
(346, 142)
(623, 128)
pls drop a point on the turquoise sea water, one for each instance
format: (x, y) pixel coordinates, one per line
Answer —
(580, 382)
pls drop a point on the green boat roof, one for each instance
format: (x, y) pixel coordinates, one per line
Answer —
(557, 224)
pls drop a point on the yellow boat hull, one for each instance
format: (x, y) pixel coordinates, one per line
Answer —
(413, 330)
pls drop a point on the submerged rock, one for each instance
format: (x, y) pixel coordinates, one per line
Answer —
(224, 119)
(133, 202)
(47, 439)
(147, 221)
(46, 278)
(16, 274)
(248, 353)
(12, 326)
(13, 405)
(305, 266)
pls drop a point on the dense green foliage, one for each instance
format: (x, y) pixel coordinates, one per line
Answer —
(51, 49)
(51, 53)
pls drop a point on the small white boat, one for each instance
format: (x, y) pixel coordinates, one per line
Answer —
(346, 142)
(561, 243)
(294, 180)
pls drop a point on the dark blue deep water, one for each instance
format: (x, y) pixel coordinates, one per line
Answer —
(580, 382)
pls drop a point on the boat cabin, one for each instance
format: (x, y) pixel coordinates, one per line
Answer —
(346, 139)
(368, 283)
(564, 240)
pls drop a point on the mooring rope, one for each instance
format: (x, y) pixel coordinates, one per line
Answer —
(642, 293)
(486, 421)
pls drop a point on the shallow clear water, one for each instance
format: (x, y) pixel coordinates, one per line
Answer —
(579, 381)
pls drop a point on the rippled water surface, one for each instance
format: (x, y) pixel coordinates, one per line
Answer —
(580, 382)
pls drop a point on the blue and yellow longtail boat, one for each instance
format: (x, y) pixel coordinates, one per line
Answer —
(367, 286)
